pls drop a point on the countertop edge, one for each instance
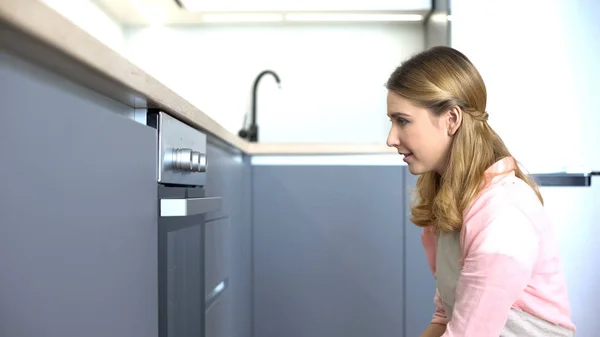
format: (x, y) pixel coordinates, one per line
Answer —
(39, 33)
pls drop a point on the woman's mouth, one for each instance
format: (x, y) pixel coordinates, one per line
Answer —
(406, 156)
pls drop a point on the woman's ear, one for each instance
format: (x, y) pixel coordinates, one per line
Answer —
(454, 120)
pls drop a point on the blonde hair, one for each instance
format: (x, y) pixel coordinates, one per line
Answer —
(439, 79)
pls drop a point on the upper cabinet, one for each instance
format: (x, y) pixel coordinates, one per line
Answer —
(145, 12)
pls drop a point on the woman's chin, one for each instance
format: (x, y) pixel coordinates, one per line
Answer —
(416, 169)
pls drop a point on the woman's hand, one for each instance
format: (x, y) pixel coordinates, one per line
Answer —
(434, 330)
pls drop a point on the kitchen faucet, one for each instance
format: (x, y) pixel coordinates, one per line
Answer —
(251, 133)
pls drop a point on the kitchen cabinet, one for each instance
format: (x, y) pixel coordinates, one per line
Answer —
(419, 281)
(228, 245)
(217, 256)
(180, 268)
(328, 251)
(78, 210)
(218, 323)
(219, 316)
(224, 177)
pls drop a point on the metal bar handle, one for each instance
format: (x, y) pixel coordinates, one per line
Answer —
(189, 207)
(583, 179)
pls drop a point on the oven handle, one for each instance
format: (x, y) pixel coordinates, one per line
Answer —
(189, 207)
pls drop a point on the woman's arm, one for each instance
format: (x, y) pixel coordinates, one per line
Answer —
(498, 264)
(434, 330)
(437, 327)
(439, 317)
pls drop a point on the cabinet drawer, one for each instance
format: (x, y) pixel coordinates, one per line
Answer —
(217, 253)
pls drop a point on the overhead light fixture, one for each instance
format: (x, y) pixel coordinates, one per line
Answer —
(242, 17)
(216, 13)
(308, 17)
(350, 17)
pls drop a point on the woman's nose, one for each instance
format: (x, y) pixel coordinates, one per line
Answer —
(392, 140)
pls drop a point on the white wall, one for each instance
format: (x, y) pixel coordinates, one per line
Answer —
(87, 15)
(539, 59)
(332, 75)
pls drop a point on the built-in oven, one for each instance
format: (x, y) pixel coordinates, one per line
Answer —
(182, 209)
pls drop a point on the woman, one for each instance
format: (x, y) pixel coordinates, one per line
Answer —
(490, 245)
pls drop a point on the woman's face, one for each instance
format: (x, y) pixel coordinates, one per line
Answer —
(422, 138)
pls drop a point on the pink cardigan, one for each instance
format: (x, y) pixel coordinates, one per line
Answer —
(510, 258)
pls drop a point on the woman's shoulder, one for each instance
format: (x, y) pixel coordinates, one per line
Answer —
(509, 207)
(506, 194)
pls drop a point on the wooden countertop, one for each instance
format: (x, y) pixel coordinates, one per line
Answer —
(40, 34)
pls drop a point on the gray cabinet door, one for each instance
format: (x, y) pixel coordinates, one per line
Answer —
(420, 283)
(218, 316)
(184, 307)
(78, 211)
(328, 251)
(217, 254)
(229, 235)
(181, 268)
(224, 179)
(220, 320)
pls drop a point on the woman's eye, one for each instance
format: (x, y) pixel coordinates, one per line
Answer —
(401, 121)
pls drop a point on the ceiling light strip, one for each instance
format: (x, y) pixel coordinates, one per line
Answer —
(243, 17)
(351, 17)
(309, 17)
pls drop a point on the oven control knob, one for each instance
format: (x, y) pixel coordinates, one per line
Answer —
(182, 159)
(198, 162)
(189, 160)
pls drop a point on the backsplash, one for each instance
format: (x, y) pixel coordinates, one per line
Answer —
(538, 59)
(332, 75)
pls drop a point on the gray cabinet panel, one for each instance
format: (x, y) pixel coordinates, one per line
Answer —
(78, 211)
(420, 283)
(218, 317)
(240, 282)
(229, 177)
(328, 251)
(223, 179)
(184, 281)
(217, 243)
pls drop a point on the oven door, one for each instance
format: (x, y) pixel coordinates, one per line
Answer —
(181, 260)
